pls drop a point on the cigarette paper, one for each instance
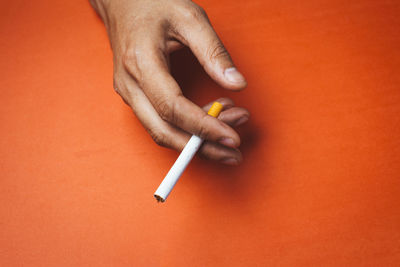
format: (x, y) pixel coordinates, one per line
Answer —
(183, 160)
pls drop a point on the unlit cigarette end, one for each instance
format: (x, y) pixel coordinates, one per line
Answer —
(159, 199)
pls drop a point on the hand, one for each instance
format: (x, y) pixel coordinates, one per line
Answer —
(142, 34)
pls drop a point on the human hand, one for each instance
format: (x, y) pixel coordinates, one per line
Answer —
(142, 34)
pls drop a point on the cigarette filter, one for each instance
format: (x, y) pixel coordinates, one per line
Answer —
(183, 160)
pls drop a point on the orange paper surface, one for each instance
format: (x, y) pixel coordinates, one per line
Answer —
(320, 182)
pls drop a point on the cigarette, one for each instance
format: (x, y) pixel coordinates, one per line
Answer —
(183, 160)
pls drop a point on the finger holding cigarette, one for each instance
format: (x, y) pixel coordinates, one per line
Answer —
(232, 116)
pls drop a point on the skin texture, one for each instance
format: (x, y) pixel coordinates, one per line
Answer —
(143, 34)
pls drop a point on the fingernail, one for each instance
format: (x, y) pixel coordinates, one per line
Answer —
(227, 141)
(241, 120)
(230, 161)
(233, 75)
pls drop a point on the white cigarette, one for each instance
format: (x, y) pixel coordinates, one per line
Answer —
(183, 160)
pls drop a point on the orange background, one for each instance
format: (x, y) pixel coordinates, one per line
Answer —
(320, 184)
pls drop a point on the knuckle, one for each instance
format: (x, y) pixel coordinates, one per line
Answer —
(115, 85)
(195, 12)
(158, 137)
(199, 10)
(165, 109)
(203, 132)
(217, 51)
(130, 61)
(118, 85)
(122, 91)
(129, 57)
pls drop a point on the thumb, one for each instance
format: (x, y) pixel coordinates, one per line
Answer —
(198, 34)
